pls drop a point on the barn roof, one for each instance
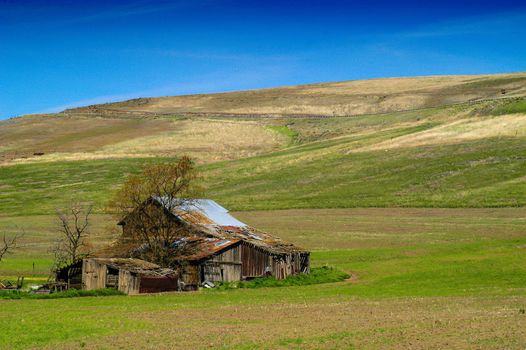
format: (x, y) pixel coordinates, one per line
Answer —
(216, 221)
(197, 248)
(258, 239)
(213, 220)
(200, 212)
(134, 265)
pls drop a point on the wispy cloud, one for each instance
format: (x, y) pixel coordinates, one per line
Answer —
(494, 24)
(137, 8)
(84, 12)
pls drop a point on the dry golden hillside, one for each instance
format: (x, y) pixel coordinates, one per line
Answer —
(53, 138)
(170, 126)
(328, 99)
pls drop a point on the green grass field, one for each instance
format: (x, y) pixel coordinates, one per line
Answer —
(486, 173)
(413, 271)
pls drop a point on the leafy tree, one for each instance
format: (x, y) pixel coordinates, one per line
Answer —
(144, 202)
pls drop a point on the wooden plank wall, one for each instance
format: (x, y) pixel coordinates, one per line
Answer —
(156, 284)
(224, 267)
(255, 261)
(129, 283)
(94, 275)
(190, 276)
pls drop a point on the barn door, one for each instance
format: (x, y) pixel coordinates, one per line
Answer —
(94, 276)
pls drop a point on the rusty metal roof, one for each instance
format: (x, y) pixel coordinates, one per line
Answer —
(197, 248)
(213, 220)
(200, 212)
(257, 238)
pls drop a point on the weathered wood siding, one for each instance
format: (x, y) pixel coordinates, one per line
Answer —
(129, 283)
(97, 275)
(190, 276)
(224, 267)
(255, 261)
(93, 275)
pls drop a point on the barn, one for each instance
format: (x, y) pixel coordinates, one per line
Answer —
(260, 253)
(216, 247)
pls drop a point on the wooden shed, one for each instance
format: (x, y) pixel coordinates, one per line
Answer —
(130, 276)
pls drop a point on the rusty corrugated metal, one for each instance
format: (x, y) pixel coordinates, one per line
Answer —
(199, 211)
(157, 284)
(197, 248)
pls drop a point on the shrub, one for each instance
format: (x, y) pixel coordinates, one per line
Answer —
(316, 276)
(70, 293)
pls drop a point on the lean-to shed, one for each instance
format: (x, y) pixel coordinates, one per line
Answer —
(207, 260)
(262, 253)
(71, 275)
(130, 276)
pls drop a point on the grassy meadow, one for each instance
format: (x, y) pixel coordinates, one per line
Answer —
(424, 208)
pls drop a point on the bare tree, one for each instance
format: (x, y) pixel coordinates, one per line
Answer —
(73, 243)
(9, 244)
(145, 202)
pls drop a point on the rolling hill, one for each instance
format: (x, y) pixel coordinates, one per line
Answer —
(234, 125)
(456, 154)
(326, 99)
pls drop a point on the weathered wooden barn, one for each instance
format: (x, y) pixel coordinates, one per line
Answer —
(260, 253)
(130, 276)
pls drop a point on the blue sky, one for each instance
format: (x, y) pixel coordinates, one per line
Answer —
(59, 54)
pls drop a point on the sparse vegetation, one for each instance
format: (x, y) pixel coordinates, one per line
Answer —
(86, 138)
(379, 162)
(327, 99)
(286, 131)
(8, 245)
(510, 107)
